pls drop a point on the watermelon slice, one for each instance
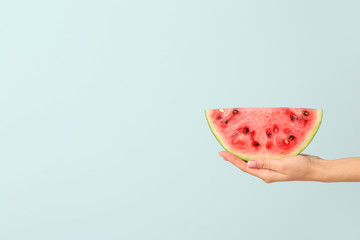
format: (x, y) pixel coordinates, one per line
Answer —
(264, 132)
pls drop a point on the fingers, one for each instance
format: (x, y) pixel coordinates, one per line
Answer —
(244, 166)
(234, 160)
(266, 163)
(260, 163)
(258, 168)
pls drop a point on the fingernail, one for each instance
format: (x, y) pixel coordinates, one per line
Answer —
(251, 163)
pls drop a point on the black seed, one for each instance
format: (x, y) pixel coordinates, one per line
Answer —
(219, 117)
(226, 121)
(256, 144)
(291, 137)
(246, 130)
(306, 113)
(269, 134)
(292, 118)
(235, 111)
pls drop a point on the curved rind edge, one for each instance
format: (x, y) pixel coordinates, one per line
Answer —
(221, 143)
(310, 137)
(311, 134)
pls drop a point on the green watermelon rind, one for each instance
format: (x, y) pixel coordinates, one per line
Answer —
(312, 133)
(306, 143)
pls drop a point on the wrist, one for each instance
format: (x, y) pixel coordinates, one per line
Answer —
(339, 170)
(321, 171)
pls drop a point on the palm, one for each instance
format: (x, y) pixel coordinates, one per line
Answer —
(286, 169)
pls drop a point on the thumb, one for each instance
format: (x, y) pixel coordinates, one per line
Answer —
(266, 163)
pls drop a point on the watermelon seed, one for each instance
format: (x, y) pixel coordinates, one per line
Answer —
(291, 137)
(226, 121)
(276, 129)
(269, 134)
(306, 113)
(246, 130)
(286, 141)
(292, 118)
(235, 111)
(219, 117)
(256, 144)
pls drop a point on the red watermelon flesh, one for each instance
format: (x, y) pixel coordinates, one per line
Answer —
(264, 132)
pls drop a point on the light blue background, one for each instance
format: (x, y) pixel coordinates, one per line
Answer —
(103, 132)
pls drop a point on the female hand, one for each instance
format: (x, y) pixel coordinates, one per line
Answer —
(297, 168)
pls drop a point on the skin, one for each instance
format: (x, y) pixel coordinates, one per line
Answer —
(299, 168)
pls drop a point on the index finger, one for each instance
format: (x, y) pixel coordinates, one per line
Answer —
(266, 175)
(234, 160)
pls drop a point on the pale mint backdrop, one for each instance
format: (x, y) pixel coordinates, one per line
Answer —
(103, 133)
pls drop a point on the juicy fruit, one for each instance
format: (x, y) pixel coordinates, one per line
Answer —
(264, 132)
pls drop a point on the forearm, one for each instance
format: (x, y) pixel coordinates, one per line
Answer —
(340, 170)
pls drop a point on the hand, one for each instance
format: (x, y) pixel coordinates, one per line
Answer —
(297, 168)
